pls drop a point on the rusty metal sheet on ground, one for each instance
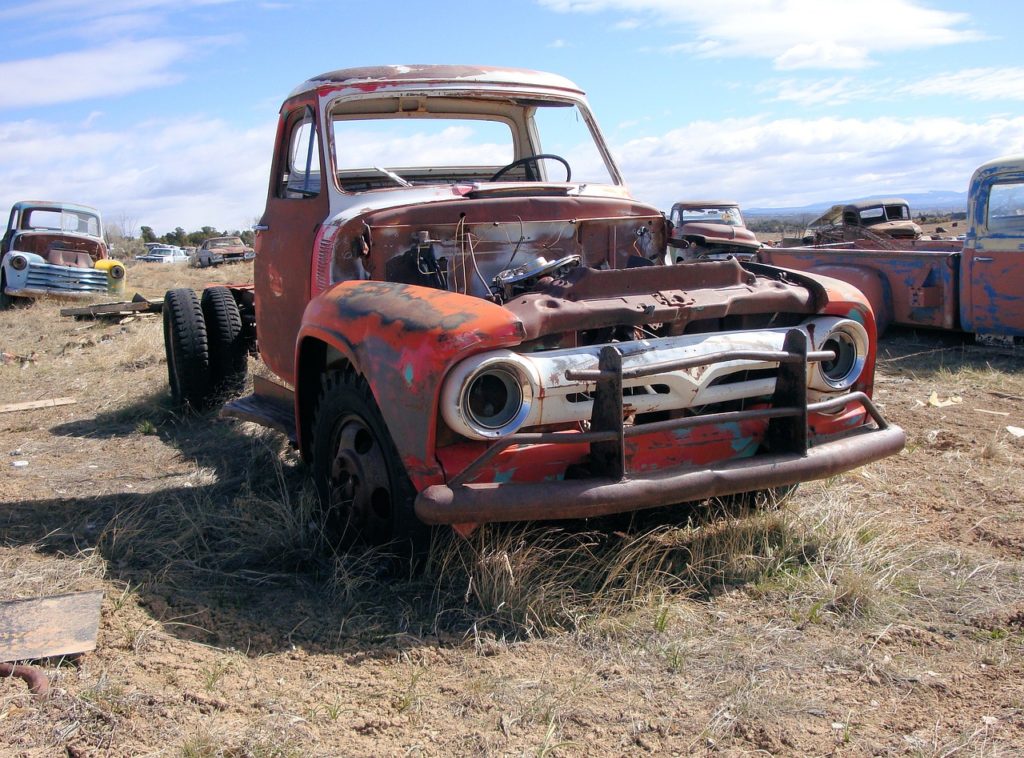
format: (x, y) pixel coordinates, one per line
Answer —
(43, 627)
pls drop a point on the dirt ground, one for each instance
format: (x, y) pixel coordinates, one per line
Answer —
(881, 612)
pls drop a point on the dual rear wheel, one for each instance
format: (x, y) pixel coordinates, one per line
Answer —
(206, 350)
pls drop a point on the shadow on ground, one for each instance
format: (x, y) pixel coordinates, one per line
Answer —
(237, 560)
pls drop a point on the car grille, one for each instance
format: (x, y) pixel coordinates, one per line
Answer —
(45, 276)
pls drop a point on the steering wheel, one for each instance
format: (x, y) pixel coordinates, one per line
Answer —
(535, 159)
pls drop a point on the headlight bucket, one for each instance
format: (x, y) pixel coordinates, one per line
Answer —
(487, 400)
(848, 340)
(19, 262)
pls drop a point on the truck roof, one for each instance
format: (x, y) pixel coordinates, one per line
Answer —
(703, 203)
(53, 204)
(419, 77)
(859, 204)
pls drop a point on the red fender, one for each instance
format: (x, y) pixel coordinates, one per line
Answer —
(402, 339)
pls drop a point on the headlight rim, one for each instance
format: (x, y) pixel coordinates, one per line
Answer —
(471, 425)
(853, 334)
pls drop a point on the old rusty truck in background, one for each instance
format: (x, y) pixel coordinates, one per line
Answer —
(709, 230)
(976, 285)
(870, 219)
(470, 320)
(55, 249)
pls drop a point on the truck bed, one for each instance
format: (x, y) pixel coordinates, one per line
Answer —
(917, 285)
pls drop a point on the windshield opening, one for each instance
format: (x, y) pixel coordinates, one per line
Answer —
(729, 215)
(61, 221)
(404, 141)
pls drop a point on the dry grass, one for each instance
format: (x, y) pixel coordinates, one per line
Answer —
(880, 612)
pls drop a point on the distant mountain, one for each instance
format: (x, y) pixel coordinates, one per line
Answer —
(920, 202)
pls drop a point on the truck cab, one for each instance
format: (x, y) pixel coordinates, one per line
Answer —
(992, 261)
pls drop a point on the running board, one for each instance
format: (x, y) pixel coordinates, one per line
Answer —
(270, 404)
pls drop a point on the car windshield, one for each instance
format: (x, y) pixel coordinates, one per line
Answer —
(40, 219)
(728, 214)
(880, 213)
(449, 140)
(231, 242)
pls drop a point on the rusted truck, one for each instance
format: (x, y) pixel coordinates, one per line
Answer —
(976, 285)
(218, 250)
(53, 249)
(878, 220)
(470, 320)
(709, 230)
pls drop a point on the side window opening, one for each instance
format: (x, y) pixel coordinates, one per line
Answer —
(300, 175)
(1006, 207)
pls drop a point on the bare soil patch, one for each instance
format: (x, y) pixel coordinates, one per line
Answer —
(878, 613)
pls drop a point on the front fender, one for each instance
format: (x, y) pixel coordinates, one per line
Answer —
(402, 339)
(846, 300)
(13, 278)
(872, 286)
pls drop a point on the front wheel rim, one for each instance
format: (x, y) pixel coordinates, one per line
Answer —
(360, 485)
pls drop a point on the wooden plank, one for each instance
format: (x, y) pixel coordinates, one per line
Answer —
(115, 309)
(32, 405)
(44, 627)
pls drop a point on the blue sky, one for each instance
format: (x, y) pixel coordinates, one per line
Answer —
(162, 112)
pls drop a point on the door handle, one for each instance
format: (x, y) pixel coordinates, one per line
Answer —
(260, 227)
(982, 259)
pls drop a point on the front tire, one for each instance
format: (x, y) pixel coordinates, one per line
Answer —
(187, 349)
(365, 493)
(6, 301)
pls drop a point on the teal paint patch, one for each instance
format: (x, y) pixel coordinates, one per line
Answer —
(408, 374)
(741, 445)
(855, 314)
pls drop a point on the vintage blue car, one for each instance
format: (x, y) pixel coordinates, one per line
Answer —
(53, 249)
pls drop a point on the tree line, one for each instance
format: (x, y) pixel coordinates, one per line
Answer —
(180, 238)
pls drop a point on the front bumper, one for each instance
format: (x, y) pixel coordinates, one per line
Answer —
(35, 293)
(46, 280)
(613, 489)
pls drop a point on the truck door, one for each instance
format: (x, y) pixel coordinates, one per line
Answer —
(297, 204)
(993, 258)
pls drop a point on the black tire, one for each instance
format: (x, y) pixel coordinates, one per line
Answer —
(365, 493)
(6, 301)
(185, 342)
(228, 351)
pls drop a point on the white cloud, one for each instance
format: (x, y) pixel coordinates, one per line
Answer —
(90, 9)
(191, 173)
(825, 92)
(979, 84)
(558, 44)
(790, 162)
(793, 34)
(114, 69)
(974, 83)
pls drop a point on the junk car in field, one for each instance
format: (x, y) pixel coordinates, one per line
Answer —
(885, 218)
(974, 285)
(163, 254)
(470, 320)
(709, 230)
(218, 250)
(53, 249)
